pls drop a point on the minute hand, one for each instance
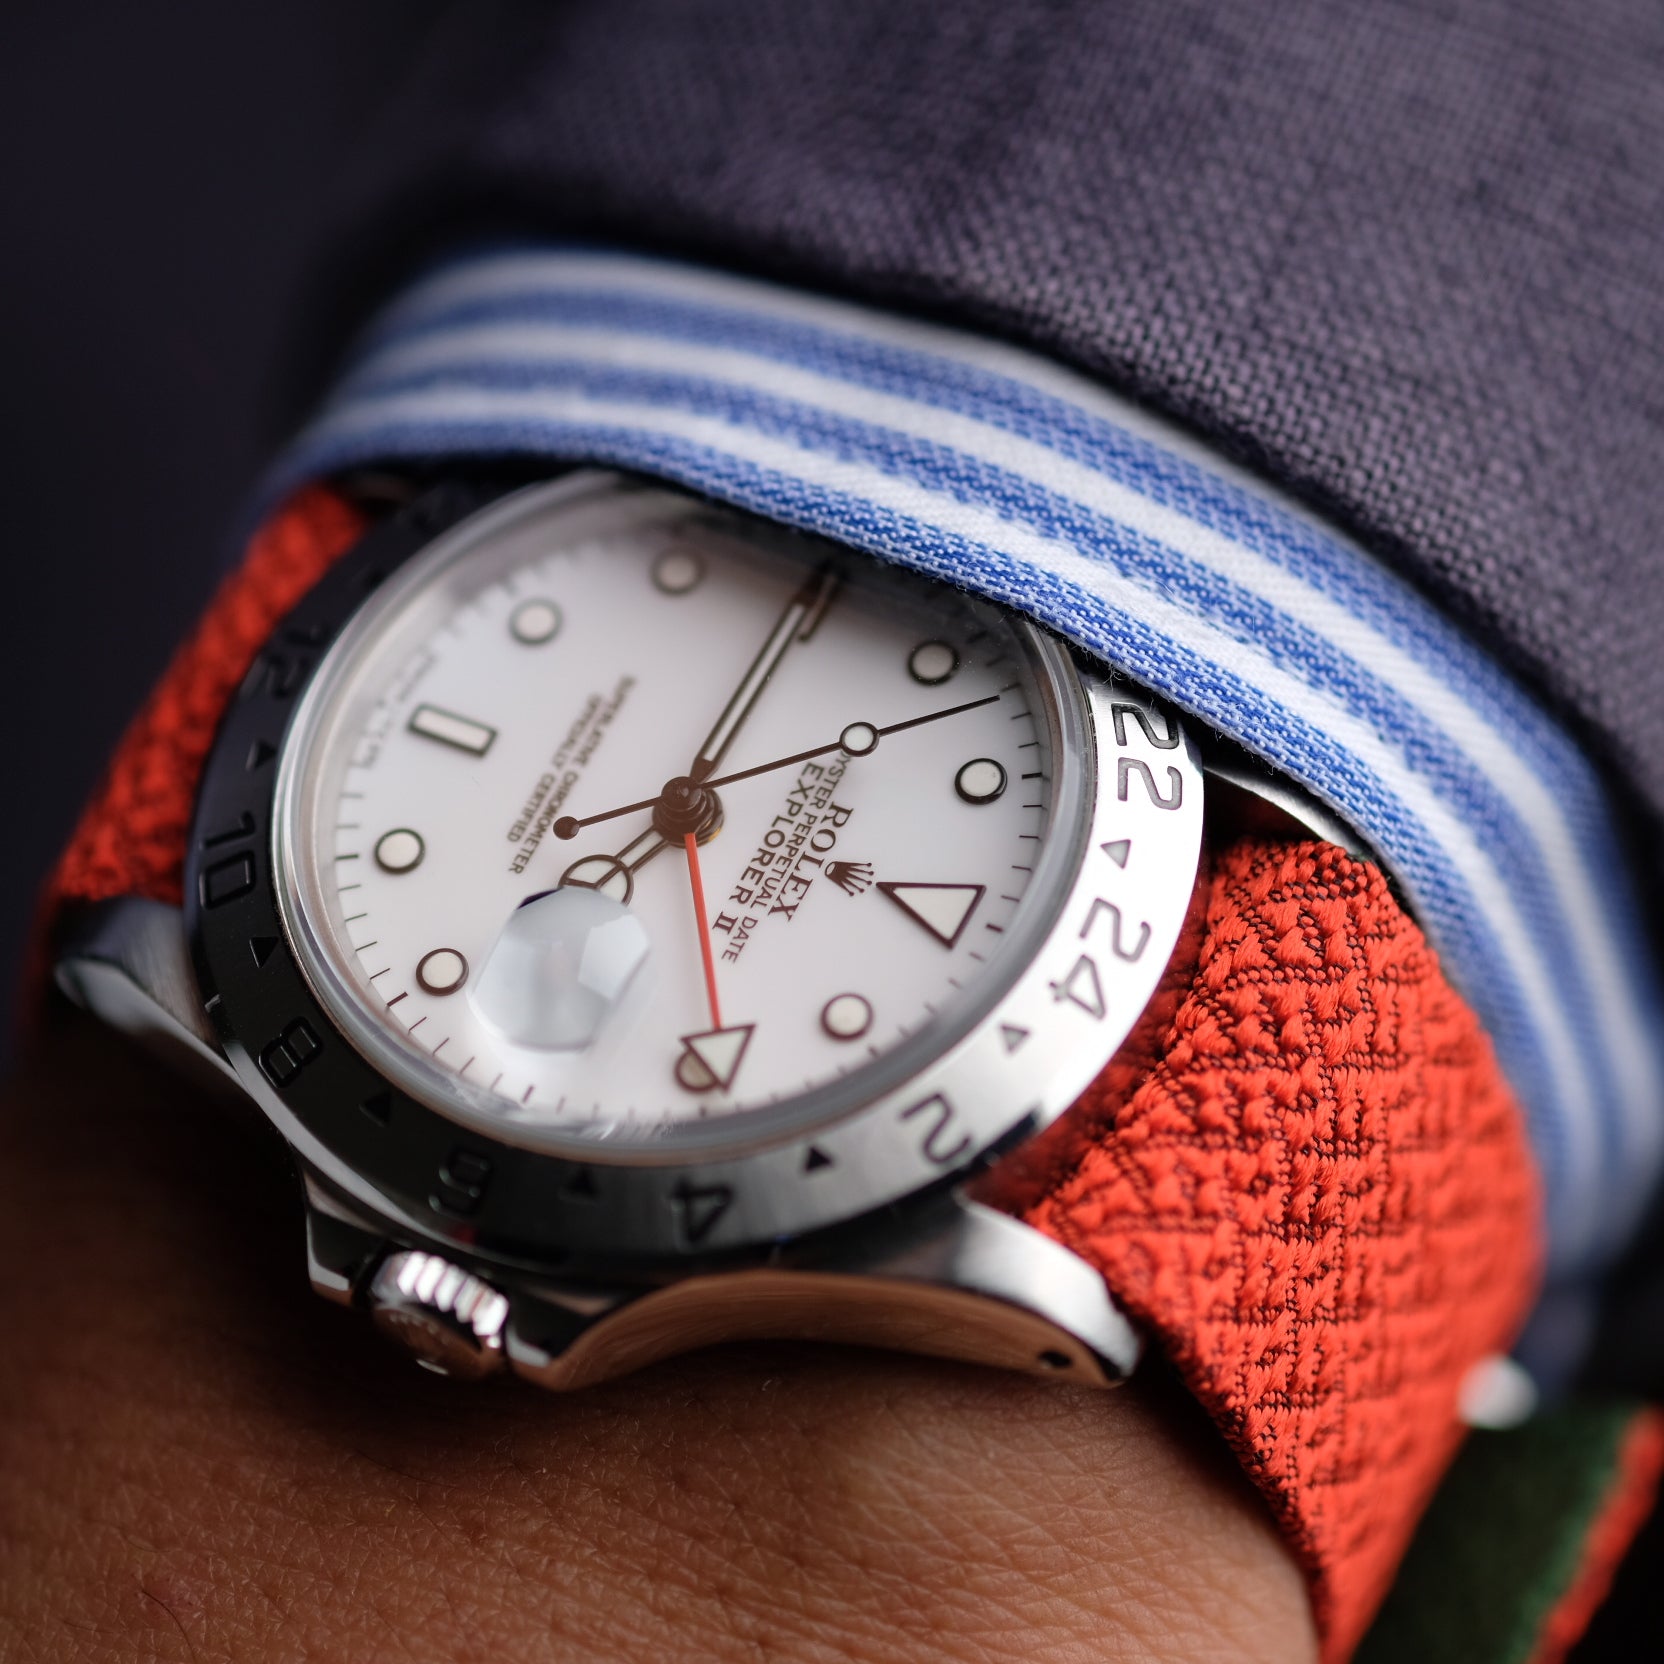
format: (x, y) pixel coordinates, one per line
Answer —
(570, 828)
(799, 619)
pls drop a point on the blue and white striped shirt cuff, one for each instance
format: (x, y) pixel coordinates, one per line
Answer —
(1025, 482)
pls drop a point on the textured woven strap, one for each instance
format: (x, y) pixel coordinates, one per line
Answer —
(131, 836)
(1304, 1174)
(1307, 1179)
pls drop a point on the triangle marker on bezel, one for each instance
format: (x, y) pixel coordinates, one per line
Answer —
(1082, 987)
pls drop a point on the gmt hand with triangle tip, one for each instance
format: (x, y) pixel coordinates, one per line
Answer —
(710, 1057)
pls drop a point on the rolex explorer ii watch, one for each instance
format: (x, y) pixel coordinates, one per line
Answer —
(643, 922)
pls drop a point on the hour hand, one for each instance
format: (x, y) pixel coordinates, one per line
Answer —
(685, 804)
(614, 875)
(797, 623)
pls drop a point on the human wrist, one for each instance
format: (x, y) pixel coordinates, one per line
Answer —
(174, 1447)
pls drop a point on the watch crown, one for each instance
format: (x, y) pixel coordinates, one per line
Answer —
(448, 1319)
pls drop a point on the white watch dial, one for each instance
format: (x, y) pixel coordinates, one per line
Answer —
(490, 793)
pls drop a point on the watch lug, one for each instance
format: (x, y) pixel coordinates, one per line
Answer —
(984, 1252)
(559, 1338)
(1246, 791)
(127, 962)
(976, 1285)
(1243, 789)
(341, 1243)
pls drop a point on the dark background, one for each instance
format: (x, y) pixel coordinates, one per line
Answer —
(166, 177)
(165, 170)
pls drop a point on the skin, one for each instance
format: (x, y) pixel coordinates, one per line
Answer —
(200, 1460)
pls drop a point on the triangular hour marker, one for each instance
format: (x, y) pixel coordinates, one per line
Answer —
(262, 947)
(1012, 1036)
(712, 1058)
(942, 909)
(815, 1160)
(1117, 850)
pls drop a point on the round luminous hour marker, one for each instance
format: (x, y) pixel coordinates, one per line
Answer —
(846, 1017)
(980, 781)
(677, 571)
(442, 972)
(932, 662)
(534, 622)
(399, 850)
(858, 738)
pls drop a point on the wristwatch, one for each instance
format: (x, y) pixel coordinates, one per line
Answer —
(645, 924)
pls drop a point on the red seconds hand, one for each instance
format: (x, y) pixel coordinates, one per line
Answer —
(691, 844)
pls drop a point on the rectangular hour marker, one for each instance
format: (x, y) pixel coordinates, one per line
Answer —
(450, 729)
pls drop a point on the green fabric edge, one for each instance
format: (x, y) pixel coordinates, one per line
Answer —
(1502, 1540)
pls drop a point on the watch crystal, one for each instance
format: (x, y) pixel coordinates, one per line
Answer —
(619, 817)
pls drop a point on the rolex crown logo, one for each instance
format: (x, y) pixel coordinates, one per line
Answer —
(852, 877)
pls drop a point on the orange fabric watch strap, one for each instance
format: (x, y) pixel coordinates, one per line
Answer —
(131, 837)
(1307, 1180)
(1303, 1175)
